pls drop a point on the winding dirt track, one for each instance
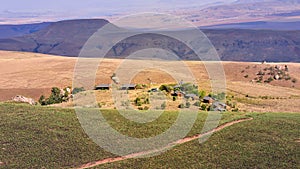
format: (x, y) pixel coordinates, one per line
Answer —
(181, 141)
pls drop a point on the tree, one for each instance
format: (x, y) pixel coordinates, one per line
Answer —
(137, 101)
(202, 94)
(203, 107)
(166, 88)
(55, 96)
(42, 100)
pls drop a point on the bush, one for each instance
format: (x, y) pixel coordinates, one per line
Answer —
(197, 103)
(181, 106)
(137, 101)
(174, 98)
(166, 88)
(294, 80)
(163, 105)
(188, 104)
(42, 100)
(270, 79)
(202, 94)
(78, 90)
(139, 86)
(203, 107)
(55, 97)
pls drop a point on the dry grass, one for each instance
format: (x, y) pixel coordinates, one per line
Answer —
(32, 75)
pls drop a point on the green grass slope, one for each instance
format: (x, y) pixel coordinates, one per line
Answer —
(44, 137)
(268, 141)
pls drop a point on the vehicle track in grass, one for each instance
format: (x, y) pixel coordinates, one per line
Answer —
(176, 143)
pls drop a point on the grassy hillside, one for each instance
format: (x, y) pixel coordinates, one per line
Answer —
(39, 137)
(271, 140)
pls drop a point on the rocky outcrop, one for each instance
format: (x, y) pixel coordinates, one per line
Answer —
(22, 99)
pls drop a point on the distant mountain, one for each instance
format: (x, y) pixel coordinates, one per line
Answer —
(244, 11)
(9, 31)
(256, 45)
(259, 25)
(66, 38)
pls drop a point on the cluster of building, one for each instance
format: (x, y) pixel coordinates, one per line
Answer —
(177, 92)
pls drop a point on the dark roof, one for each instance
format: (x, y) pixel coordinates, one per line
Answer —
(128, 85)
(190, 95)
(177, 86)
(103, 85)
(208, 98)
(219, 104)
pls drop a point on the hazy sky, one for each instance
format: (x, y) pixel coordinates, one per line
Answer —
(70, 5)
(66, 9)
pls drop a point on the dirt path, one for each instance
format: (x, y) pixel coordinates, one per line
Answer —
(181, 141)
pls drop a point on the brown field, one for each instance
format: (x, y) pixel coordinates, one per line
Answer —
(32, 75)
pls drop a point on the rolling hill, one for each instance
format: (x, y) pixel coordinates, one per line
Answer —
(66, 38)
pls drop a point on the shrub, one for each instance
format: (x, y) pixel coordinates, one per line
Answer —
(78, 90)
(190, 88)
(294, 80)
(270, 79)
(203, 107)
(42, 100)
(139, 86)
(202, 94)
(163, 105)
(55, 97)
(260, 73)
(137, 101)
(174, 98)
(188, 104)
(147, 101)
(181, 106)
(126, 103)
(197, 103)
(166, 88)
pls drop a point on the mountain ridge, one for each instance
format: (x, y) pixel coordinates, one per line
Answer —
(66, 38)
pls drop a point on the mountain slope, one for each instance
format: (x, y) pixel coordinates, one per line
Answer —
(9, 31)
(60, 38)
(66, 38)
